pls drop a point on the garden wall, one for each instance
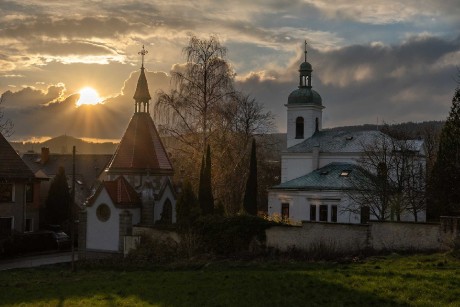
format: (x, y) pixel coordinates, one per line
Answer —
(378, 236)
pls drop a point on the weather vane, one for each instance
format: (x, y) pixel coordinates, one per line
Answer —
(143, 52)
(305, 50)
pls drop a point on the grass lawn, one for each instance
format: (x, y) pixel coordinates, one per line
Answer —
(423, 280)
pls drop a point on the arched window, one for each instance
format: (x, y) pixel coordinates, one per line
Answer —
(166, 214)
(316, 124)
(299, 128)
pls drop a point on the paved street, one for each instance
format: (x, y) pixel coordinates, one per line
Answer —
(35, 261)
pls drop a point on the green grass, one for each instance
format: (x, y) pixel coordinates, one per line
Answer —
(423, 280)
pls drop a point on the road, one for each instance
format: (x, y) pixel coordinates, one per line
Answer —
(35, 261)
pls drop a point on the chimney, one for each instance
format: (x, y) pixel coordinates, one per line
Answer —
(45, 155)
(315, 160)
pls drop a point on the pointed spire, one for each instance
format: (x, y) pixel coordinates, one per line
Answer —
(142, 94)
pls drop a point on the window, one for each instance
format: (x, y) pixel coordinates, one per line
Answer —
(29, 192)
(6, 192)
(312, 212)
(29, 225)
(6, 225)
(316, 124)
(345, 173)
(365, 214)
(323, 213)
(285, 211)
(166, 214)
(299, 128)
(103, 213)
(334, 213)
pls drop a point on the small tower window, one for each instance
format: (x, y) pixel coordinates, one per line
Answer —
(299, 128)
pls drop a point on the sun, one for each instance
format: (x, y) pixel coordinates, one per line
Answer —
(88, 95)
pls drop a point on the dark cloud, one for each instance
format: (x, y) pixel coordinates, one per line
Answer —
(30, 97)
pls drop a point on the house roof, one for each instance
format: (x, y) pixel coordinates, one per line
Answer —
(11, 164)
(334, 176)
(88, 167)
(141, 149)
(120, 191)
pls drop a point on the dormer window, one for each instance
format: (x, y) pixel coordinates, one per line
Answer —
(345, 173)
(299, 128)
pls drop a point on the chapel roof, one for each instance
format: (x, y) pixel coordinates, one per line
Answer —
(120, 192)
(333, 176)
(11, 164)
(141, 149)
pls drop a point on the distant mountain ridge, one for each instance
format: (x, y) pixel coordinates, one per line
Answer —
(63, 144)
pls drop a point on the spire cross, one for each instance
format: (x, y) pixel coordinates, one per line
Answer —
(305, 50)
(143, 52)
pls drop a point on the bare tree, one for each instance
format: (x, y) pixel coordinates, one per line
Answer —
(6, 125)
(203, 108)
(390, 180)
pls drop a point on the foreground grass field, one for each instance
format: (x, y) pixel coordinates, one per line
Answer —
(423, 280)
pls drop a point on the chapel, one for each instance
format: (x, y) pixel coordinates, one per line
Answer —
(136, 186)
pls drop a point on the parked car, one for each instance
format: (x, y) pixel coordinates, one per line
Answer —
(29, 242)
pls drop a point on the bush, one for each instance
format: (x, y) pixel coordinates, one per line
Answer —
(228, 236)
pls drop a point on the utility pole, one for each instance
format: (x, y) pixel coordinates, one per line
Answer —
(72, 217)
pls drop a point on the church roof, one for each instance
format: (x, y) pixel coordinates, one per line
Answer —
(337, 141)
(141, 149)
(305, 95)
(334, 176)
(120, 191)
(11, 164)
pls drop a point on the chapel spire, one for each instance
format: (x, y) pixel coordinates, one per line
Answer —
(142, 95)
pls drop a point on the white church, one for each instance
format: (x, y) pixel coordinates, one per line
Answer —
(317, 166)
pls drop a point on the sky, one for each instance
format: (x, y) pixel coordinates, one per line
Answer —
(373, 61)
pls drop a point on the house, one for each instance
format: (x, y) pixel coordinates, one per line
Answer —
(320, 168)
(19, 192)
(136, 188)
(88, 168)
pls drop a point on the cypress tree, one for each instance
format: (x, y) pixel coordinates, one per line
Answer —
(205, 196)
(250, 194)
(187, 207)
(443, 189)
(58, 200)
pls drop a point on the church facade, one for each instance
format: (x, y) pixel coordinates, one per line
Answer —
(319, 166)
(136, 186)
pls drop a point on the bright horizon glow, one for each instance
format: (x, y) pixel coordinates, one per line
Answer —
(88, 95)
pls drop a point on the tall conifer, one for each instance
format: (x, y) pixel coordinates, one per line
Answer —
(205, 196)
(250, 194)
(444, 186)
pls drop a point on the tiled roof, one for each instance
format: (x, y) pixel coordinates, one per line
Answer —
(120, 191)
(141, 149)
(337, 141)
(11, 164)
(334, 176)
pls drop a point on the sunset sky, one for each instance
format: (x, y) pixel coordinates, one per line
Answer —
(391, 61)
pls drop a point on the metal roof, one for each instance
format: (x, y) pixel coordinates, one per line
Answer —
(334, 176)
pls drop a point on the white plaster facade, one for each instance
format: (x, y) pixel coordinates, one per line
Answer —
(105, 235)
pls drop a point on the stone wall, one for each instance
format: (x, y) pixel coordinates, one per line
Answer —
(377, 236)
(156, 234)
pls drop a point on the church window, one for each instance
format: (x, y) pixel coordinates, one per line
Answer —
(166, 214)
(312, 212)
(299, 128)
(334, 213)
(316, 124)
(285, 211)
(323, 213)
(103, 213)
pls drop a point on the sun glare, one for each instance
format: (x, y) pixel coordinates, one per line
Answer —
(88, 95)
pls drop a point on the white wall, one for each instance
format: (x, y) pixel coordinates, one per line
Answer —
(309, 114)
(105, 235)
